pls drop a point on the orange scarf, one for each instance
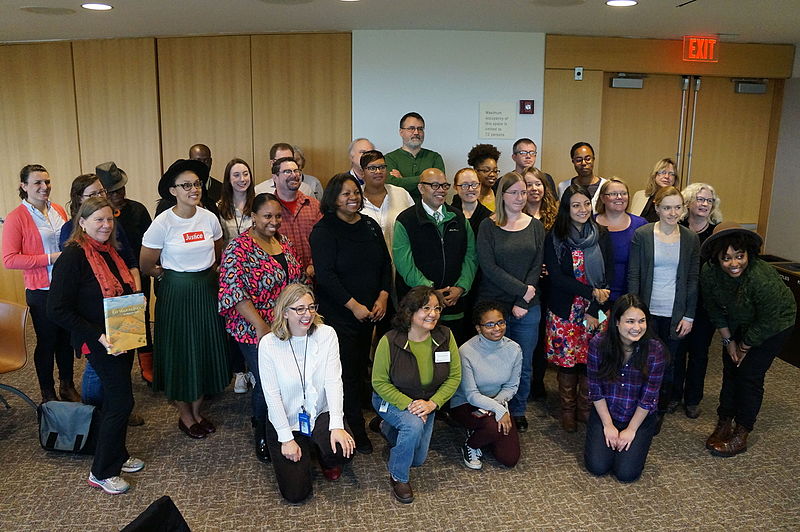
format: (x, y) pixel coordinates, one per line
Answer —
(109, 284)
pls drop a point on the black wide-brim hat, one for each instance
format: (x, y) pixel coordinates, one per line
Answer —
(178, 167)
(726, 229)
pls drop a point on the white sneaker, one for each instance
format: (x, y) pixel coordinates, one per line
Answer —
(240, 384)
(251, 378)
(472, 457)
(111, 485)
(132, 465)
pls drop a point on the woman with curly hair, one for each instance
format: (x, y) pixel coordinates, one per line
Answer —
(542, 203)
(483, 158)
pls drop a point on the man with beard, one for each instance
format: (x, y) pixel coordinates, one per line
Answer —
(405, 164)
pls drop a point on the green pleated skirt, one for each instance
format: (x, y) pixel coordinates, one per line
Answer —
(189, 345)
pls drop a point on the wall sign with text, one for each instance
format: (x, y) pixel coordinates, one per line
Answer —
(700, 49)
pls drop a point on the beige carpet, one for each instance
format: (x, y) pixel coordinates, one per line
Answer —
(219, 485)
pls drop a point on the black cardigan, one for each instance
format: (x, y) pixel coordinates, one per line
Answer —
(563, 284)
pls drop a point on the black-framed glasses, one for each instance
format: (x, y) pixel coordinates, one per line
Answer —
(436, 186)
(701, 200)
(493, 324)
(376, 167)
(525, 153)
(427, 308)
(98, 193)
(289, 173)
(488, 170)
(579, 160)
(303, 309)
(468, 186)
(412, 129)
(189, 186)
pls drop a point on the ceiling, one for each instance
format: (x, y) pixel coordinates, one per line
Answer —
(766, 21)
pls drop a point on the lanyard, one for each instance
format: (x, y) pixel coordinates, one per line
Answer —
(303, 373)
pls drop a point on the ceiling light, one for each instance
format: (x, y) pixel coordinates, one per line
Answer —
(96, 7)
(621, 3)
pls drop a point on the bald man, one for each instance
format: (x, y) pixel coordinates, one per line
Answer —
(357, 148)
(213, 187)
(434, 246)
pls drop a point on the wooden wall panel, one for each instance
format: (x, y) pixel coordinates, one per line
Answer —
(205, 97)
(117, 101)
(572, 113)
(37, 106)
(659, 56)
(302, 95)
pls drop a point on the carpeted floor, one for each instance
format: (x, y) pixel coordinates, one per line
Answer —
(219, 485)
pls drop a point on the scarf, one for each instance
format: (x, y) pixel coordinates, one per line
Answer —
(109, 283)
(587, 239)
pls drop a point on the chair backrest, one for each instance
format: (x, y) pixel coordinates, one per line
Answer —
(13, 346)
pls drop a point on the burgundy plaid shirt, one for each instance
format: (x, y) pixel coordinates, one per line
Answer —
(631, 388)
(296, 225)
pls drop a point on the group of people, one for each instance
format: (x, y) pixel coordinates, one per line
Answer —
(374, 292)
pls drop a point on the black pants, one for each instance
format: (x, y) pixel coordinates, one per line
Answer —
(743, 387)
(146, 282)
(662, 326)
(690, 375)
(294, 478)
(51, 340)
(355, 341)
(115, 375)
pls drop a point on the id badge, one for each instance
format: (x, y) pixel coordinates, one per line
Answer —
(384, 407)
(441, 356)
(305, 423)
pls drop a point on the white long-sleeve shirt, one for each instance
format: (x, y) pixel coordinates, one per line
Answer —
(283, 389)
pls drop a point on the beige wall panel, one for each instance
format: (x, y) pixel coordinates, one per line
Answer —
(204, 88)
(572, 113)
(38, 125)
(640, 127)
(730, 146)
(117, 95)
(617, 54)
(302, 95)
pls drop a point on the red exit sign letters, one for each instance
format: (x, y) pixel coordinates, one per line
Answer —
(701, 49)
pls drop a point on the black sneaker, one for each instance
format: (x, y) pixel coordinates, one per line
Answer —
(363, 444)
(472, 457)
(522, 424)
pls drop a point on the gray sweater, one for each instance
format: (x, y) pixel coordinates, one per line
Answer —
(510, 261)
(489, 374)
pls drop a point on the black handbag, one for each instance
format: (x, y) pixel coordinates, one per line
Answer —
(68, 427)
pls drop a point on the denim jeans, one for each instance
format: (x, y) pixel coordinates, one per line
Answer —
(408, 435)
(259, 404)
(524, 331)
(91, 387)
(627, 465)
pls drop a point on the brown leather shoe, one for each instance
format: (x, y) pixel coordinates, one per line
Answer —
(49, 395)
(67, 392)
(332, 473)
(207, 426)
(135, 420)
(722, 432)
(567, 392)
(402, 491)
(733, 446)
(195, 431)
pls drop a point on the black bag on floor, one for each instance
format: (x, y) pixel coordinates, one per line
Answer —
(68, 427)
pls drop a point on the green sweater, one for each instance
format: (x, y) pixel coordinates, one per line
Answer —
(410, 168)
(754, 306)
(383, 386)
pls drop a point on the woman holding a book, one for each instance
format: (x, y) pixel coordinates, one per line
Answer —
(89, 270)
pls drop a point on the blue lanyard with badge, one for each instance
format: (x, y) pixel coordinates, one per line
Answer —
(303, 418)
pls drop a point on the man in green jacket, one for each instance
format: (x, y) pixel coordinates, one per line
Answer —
(405, 164)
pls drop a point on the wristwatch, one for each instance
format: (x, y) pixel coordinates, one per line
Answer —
(726, 341)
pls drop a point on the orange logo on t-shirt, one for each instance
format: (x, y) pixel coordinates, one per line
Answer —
(194, 236)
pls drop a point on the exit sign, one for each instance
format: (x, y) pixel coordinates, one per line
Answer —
(702, 49)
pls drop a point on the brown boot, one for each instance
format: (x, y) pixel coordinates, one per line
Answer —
(583, 399)
(49, 394)
(734, 445)
(567, 392)
(146, 364)
(722, 432)
(67, 392)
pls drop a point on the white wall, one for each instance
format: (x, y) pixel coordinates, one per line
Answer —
(783, 236)
(445, 76)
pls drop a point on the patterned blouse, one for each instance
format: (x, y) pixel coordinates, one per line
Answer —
(248, 272)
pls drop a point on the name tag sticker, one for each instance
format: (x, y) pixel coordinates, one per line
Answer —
(441, 356)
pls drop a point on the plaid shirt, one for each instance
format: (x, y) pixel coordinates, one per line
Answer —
(631, 388)
(296, 225)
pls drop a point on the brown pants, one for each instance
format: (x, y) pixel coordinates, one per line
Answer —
(505, 448)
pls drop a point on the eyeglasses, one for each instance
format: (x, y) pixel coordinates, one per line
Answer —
(579, 160)
(305, 309)
(412, 129)
(665, 172)
(702, 200)
(189, 186)
(488, 170)
(468, 186)
(102, 192)
(517, 193)
(376, 168)
(493, 324)
(289, 173)
(616, 194)
(525, 153)
(436, 186)
(427, 308)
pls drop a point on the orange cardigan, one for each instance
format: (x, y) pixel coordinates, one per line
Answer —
(23, 248)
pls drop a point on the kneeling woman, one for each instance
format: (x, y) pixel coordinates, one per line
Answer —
(301, 376)
(625, 369)
(491, 365)
(416, 370)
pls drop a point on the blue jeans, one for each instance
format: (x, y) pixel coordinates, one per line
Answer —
(524, 331)
(408, 435)
(91, 387)
(627, 465)
(259, 404)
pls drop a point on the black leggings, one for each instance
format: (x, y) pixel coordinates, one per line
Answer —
(52, 341)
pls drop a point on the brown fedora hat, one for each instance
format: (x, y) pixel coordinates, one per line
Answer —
(724, 229)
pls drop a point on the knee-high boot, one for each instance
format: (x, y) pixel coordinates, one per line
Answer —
(583, 399)
(567, 392)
